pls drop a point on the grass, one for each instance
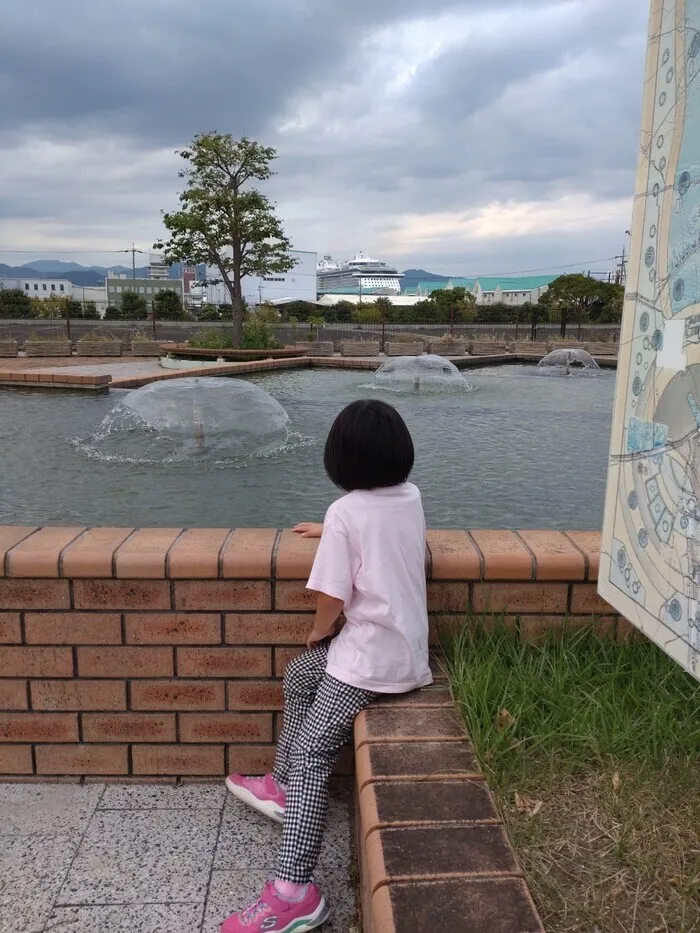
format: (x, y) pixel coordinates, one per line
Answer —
(592, 748)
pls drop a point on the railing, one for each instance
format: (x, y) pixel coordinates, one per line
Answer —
(286, 333)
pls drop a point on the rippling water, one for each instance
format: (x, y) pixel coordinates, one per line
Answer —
(519, 451)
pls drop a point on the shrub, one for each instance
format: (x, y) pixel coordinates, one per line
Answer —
(257, 335)
(211, 340)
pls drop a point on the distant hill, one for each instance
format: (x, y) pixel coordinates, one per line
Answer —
(72, 271)
(412, 277)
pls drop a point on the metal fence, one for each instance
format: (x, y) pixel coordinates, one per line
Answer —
(286, 333)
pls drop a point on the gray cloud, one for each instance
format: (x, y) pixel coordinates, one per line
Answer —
(383, 111)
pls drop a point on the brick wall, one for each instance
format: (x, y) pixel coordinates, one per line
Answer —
(158, 653)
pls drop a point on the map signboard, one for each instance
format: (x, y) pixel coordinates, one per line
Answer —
(650, 560)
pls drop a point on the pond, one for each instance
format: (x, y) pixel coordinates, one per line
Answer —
(518, 451)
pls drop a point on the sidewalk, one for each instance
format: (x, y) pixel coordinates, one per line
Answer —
(146, 858)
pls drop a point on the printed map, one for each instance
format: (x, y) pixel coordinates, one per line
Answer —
(650, 561)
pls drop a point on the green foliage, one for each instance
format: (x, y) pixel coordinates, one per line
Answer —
(167, 306)
(573, 699)
(15, 304)
(581, 298)
(225, 222)
(301, 310)
(211, 340)
(89, 311)
(343, 312)
(367, 314)
(257, 335)
(133, 308)
(267, 314)
(209, 313)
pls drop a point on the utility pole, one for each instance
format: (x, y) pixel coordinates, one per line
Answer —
(133, 262)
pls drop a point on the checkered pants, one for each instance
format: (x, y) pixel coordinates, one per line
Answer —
(318, 715)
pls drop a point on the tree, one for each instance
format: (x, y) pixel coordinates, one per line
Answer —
(607, 308)
(167, 306)
(15, 304)
(223, 221)
(90, 310)
(453, 305)
(571, 296)
(132, 308)
(52, 308)
(343, 311)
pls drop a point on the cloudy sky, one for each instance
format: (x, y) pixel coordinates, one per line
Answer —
(461, 136)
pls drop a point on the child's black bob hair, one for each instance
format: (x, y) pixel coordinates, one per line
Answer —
(369, 447)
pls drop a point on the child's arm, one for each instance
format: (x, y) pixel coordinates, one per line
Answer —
(308, 530)
(328, 611)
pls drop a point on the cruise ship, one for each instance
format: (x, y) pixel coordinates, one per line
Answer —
(361, 274)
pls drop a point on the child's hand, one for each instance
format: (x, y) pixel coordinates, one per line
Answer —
(315, 638)
(308, 530)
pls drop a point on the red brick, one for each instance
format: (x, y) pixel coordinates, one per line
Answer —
(589, 543)
(625, 631)
(585, 600)
(295, 556)
(13, 694)
(248, 555)
(250, 759)
(78, 694)
(195, 554)
(38, 727)
(125, 662)
(10, 631)
(453, 556)
(283, 656)
(121, 594)
(129, 727)
(82, 759)
(177, 694)
(225, 727)
(224, 662)
(520, 597)
(448, 597)
(179, 759)
(72, 628)
(173, 628)
(36, 662)
(556, 558)
(255, 694)
(293, 596)
(34, 594)
(268, 628)
(142, 556)
(536, 628)
(15, 759)
(11, 535)
(505, 555)
(222, 594)
(39, 555)
(92, 554)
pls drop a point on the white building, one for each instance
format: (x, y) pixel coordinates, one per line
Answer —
(299, 284)
(157, 268)
(39, 288)
(95, 293)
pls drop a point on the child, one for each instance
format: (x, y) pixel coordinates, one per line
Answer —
(371, 565)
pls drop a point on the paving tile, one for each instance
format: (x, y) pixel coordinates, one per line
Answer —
(136, 918)
(249, 840)
(46, 808)
(163, 797)
(32, 870)
(143, 856)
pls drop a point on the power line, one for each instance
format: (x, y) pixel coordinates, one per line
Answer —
(572, 265)
(72, 252)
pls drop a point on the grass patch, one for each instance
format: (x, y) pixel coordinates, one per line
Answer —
(593, 750)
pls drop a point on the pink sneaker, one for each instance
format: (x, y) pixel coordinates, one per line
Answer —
(274, 914)
(263, 793)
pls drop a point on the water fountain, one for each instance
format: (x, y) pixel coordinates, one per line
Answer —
(424, 374)
(564, 362)
(185, 419)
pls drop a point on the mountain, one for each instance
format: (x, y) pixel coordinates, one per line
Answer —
(72, 271)
(412, 277)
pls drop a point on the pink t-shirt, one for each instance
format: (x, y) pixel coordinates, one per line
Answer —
(372, 556)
